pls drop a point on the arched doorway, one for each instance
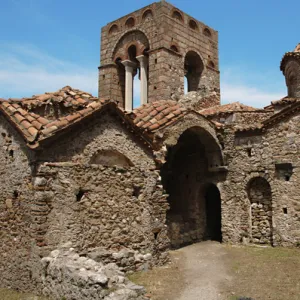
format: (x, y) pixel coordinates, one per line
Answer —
(213, 213)
(184, 176)
(260, 196)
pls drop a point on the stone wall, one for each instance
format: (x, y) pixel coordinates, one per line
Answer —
(15, 215)
(95, 206)
(250, 155)
(81, 145)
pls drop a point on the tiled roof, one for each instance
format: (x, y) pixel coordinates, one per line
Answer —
(152, 116)
(227, 108)
(275, 118)
(66, 96)
(285, 100)
(37, 120)
(35, 126)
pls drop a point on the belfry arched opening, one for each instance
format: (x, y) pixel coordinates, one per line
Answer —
(188, 176)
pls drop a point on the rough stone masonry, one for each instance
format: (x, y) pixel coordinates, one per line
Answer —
(121, 185)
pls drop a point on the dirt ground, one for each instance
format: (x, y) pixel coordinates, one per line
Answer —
(211, 271)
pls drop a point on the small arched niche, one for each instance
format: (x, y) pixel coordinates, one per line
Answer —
(113, 29)
(177, 16)
(130, 23)
(193, 25)
(193, 67)
(207, 32)
(147, 15)
(260, 196)
(110, 158)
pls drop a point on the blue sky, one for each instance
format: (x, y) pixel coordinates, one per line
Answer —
(47, 44)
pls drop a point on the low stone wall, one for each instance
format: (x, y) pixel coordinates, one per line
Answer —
(67, 275)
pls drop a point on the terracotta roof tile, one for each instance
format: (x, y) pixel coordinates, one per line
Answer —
(37, 121)
(152, 116)
(285, 100)
(227, 108)
(32, 118)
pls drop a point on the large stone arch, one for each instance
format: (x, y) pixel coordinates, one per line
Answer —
(192, 157)
(193, 121)
(130, 38)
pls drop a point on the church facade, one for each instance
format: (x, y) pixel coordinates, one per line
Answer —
(177, 169)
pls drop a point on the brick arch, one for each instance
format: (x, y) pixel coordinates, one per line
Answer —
(147, 14)
(130, 22)
(114, 28)
(132, 37)
(177, 15)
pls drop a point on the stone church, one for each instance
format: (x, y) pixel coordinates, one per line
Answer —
(177, 169)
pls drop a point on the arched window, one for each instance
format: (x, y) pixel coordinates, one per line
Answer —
(113, 29)
(177, 16)
(130, 22)
(207, 32)
(193, 25)
(132, 47)
(260, 196)
(110, 158)
(147, 15)
(193, 67)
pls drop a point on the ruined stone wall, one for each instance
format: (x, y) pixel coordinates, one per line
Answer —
(272, 155)
(113, 208)
(15, 214)
(99, 191)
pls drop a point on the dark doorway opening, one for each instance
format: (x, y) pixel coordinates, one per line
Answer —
(213, 213)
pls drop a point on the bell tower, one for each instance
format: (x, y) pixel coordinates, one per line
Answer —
(161, 45)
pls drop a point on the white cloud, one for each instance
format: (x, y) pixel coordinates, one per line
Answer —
(251, 87)
(248, 95)
(25, 70)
